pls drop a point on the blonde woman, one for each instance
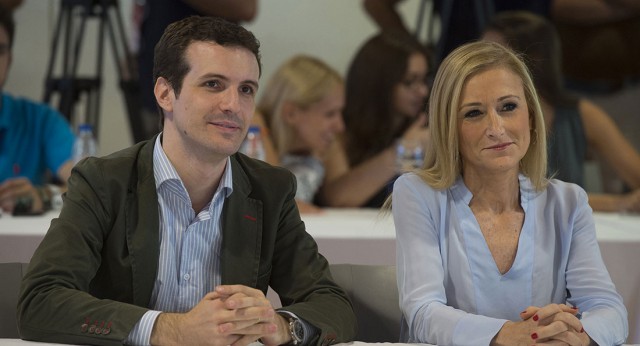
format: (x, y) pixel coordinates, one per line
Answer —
(491, 252)
(302, 107)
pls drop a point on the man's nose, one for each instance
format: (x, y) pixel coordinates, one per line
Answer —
(230, 102)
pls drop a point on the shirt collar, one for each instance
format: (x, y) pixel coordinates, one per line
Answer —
(163, 170)
(527, 191)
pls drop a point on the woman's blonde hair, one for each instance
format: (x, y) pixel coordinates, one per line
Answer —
(302, 80)
(443, 162)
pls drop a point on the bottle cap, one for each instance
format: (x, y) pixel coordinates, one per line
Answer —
(84, 127)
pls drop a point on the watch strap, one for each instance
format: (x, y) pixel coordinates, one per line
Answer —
(308, 331)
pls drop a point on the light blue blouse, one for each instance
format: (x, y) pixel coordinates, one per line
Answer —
(451, 292)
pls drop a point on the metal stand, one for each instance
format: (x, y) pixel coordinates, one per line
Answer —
(70, 87)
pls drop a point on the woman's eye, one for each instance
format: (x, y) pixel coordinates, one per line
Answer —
(509, 106)
(472, 114)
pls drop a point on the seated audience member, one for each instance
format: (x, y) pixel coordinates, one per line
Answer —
(176, 240)
(491, 252)
(386, 90)
(575, 125)
(35, 143)
(600, 44)
(303, 104)
(156, 16)
(461, 21)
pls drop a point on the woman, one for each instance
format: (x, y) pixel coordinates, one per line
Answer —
(302, 106)
(575, 125)
(490, 251)
(386, 92)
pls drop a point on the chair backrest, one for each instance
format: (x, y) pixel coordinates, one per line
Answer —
(374, 293)
(11, 276)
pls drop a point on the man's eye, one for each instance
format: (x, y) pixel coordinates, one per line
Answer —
(212, 84)
(247, 90)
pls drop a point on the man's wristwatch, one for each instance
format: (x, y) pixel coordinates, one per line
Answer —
(296, 330)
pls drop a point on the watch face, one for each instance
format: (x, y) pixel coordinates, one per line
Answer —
(297, 331)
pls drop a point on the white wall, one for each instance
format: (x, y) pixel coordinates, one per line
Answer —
(330, 29)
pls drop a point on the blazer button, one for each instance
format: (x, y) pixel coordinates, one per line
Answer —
(84, 327)
(92, 328)
(106, 331)
(99, 329)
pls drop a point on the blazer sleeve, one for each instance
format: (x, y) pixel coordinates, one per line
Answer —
(58, 300)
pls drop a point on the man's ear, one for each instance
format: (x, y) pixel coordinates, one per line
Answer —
(164, 94)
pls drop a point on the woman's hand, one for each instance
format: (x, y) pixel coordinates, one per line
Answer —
(553, 324)
(630, 202)
(515, 333)
(556, 324)
(308, 208)
(418, 131)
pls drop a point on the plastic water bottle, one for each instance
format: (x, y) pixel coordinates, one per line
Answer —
(85, 144)
(252, 145)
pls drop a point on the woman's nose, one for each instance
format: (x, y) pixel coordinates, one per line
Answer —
(495, 126)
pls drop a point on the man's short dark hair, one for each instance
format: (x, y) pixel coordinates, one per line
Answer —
(6, 21)
(169, 54)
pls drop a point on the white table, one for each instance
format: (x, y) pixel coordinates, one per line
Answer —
(19, 342)
(364, 236)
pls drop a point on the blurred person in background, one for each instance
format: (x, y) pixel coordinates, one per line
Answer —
(35, 143)
(575, 125)
(460, 21)
(302, 107)
(600, 44)
(489, 250)
(386, 91)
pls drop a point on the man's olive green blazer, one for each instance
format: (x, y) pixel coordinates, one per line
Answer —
(91, 278)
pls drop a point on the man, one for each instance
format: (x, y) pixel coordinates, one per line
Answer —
(175, 240)
(35, 143)
(156, 16)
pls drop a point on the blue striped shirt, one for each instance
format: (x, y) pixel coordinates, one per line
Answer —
(189, 264)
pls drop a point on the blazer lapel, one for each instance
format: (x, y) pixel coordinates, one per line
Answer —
(241, 232)
(142, 227)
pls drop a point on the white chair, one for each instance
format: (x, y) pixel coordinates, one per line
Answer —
(11, 276)
(374, 293)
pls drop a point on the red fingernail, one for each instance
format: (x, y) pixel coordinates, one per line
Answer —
(581, 330)
(535, 317)
(534, 336)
